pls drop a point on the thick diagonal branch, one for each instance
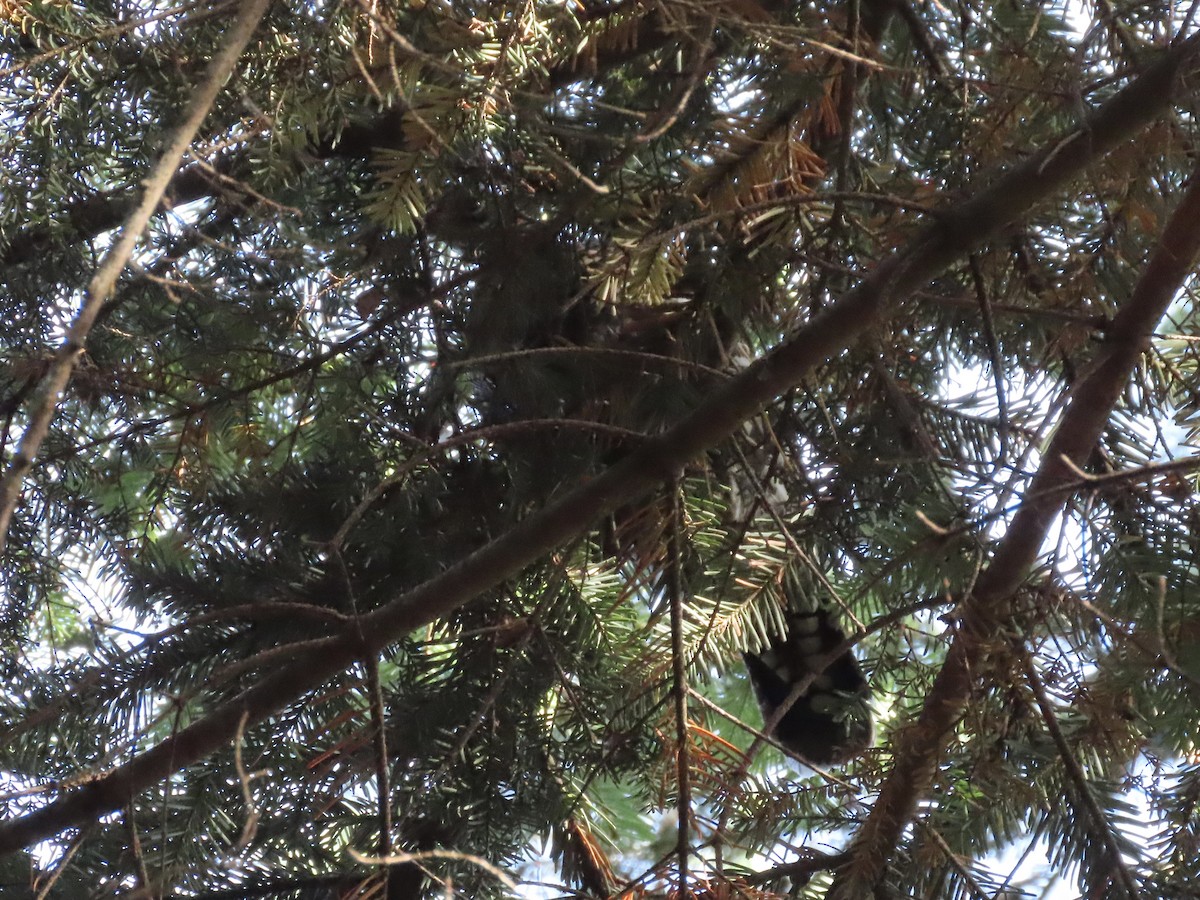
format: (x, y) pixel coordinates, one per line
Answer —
(953, 233)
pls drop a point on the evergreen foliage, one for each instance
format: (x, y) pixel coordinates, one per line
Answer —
(430, 274)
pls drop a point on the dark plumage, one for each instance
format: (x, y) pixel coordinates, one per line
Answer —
(829, 723)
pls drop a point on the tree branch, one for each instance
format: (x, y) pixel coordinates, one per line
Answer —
(959, 228)
(114, 262)
(986, 609)
(680, 688)
(1084, 804)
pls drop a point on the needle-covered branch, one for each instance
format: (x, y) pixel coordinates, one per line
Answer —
(984, 613)
(960, 227)
(114, 262)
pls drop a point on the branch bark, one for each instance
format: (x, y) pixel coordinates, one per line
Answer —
(955, 231)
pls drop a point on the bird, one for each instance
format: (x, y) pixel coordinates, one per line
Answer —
(830, 723)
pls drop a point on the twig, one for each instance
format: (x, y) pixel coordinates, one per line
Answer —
(1164, 650)
(630, 355)
(44, 890)
(993, 349)
(590, 183)
(93, 676)
(405, 46)
(252, 813)
(400, 858)
(370, 663)
(1089, 808)
(814, 862)
(493, 695)
(703, 59)
(383, 784)
(955, 863)
(135, 847)
(762, 496)
(680, 687)
(307, 366)
(242, 187)
(763, 738)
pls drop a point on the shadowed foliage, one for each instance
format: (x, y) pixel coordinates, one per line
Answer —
(493, 375)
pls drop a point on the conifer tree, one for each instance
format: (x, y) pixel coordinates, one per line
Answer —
(414, 411)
